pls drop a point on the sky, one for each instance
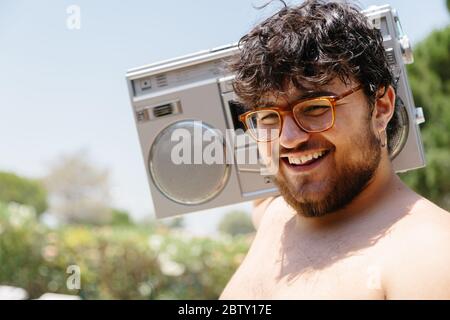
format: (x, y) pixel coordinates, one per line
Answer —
(63, 90)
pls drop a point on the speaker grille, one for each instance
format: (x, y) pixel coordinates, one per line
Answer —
(187, 184)
(398, 140)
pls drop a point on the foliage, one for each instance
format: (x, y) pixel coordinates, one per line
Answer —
(174, 222)
(430, 82)
(116, 262)
(79, 191)
(121, 218)
(24, 191)
(236, 223)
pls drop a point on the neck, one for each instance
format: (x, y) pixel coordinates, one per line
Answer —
(383, 184)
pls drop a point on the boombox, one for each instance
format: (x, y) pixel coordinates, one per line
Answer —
(193, 96)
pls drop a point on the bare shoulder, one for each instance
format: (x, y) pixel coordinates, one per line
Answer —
(260, 207)
(425, 220)
(251, 271)
(419, 256)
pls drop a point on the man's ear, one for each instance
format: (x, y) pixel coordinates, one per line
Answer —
(384, 108)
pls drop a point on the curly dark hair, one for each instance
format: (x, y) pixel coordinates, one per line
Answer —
(312, 43)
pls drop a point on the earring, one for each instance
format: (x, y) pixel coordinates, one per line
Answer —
(383, 138)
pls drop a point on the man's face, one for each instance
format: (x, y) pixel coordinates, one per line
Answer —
(350, 154)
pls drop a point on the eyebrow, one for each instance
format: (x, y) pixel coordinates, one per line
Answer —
(306, 95)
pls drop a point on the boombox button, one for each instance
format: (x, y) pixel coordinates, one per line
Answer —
(420, 117)
(142, 115)
(268, 180)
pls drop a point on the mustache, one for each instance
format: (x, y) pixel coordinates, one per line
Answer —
(307, 146)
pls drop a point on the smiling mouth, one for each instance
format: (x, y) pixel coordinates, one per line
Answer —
(305, 162)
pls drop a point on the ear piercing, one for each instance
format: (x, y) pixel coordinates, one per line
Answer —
(383, 138)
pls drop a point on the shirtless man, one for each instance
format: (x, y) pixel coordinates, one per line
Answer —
(345, 226)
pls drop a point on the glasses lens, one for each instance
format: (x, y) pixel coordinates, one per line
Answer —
(264, 125)
(314, 115)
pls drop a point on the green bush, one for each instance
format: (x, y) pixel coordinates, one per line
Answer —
(430, 83)
(120, 217)
(22, 190)
(116, 262)
(236, 223)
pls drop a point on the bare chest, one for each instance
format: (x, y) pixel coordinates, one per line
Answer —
(296, 268)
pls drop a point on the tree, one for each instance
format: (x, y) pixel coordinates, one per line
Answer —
(79, 191)
(235, 223)
(120, 218)
(430, 83)
(14, 188)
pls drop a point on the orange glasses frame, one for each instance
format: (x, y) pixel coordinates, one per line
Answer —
(332, 99)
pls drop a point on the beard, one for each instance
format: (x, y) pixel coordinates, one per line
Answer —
(348, 179)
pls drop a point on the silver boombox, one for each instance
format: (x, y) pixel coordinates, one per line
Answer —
(194, 93)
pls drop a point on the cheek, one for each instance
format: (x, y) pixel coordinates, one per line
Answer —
(347, 134)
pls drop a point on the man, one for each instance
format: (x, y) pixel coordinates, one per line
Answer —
(345, 226)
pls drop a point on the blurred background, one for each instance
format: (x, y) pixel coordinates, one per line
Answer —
(76, 215)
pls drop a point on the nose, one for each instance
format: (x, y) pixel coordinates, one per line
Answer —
(291, 134)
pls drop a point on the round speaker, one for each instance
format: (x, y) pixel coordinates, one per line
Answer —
(398, 139)
(187, 183)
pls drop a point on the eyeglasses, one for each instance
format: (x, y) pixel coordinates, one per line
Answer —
(312, 115)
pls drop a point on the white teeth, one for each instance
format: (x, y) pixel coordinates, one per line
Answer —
(305, 158)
